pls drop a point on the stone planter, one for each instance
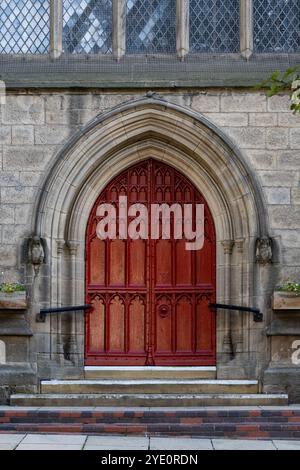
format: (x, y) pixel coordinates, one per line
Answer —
(13, 301)
(286, 301)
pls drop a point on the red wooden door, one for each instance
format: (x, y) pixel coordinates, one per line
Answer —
(150, 298)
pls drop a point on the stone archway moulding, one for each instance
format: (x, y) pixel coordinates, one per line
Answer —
(203, 144)
(184, 139)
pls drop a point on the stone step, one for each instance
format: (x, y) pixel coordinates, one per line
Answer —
(148, 400)
(235, 422)
(144, 373)
(182, 386)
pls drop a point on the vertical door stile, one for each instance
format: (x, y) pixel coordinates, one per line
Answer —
(127, 297)
(150, 270)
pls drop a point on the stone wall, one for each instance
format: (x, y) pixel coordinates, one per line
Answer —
(35, 127)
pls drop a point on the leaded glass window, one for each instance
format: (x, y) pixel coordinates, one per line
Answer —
(25, 26)
(151, 26)
(214, 26)
(276, 25)
(87, 26)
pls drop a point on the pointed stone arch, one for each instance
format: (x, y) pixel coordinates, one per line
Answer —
(130, 126)
(184, 139)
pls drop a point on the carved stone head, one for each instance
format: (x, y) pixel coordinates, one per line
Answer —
(36, 254)
(264, 250)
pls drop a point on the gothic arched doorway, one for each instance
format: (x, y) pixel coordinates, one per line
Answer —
(150, 297)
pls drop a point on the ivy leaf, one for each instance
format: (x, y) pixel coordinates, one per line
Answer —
(290, 71)
(275, 76)
(279, 82)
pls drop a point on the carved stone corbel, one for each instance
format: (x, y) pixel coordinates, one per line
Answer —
(73, 248)
(228, 246)
(239, 244)
(60, 245)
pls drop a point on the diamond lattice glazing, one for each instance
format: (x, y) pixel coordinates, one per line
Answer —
(214, 26)
(87, 26)
(151, 26)
(25, 26)
(276, 25)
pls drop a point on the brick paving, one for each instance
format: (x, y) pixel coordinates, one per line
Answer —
(238, 423)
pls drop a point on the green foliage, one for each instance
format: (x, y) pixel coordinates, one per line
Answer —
(279, 82)
(290, 287)
(10, 288)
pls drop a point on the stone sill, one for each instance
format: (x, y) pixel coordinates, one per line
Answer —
(141, 72)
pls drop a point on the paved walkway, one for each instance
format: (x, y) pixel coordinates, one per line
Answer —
(102, 443)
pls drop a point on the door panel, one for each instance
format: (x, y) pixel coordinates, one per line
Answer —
(97, 326)
(150, 297)
(184, 268)
(136, 326)
(184, 325)
(137, 263)
(98, 268)
(163, 253)
(117, 267)
(116, 325)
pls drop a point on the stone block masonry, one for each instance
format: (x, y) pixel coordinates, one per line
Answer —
(36, 126)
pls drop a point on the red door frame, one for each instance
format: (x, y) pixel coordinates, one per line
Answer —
(177, 326)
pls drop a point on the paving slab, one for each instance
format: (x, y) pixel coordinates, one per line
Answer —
(7, 447)
(11, 438)
(59, 439)
(287, 445)
(120, 447)
(117, 442)
(48, 447)
(240, 444)
(164, 443)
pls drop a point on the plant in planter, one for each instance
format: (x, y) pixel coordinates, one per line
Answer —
(12, 296)
(287, 296)
(291, 287)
